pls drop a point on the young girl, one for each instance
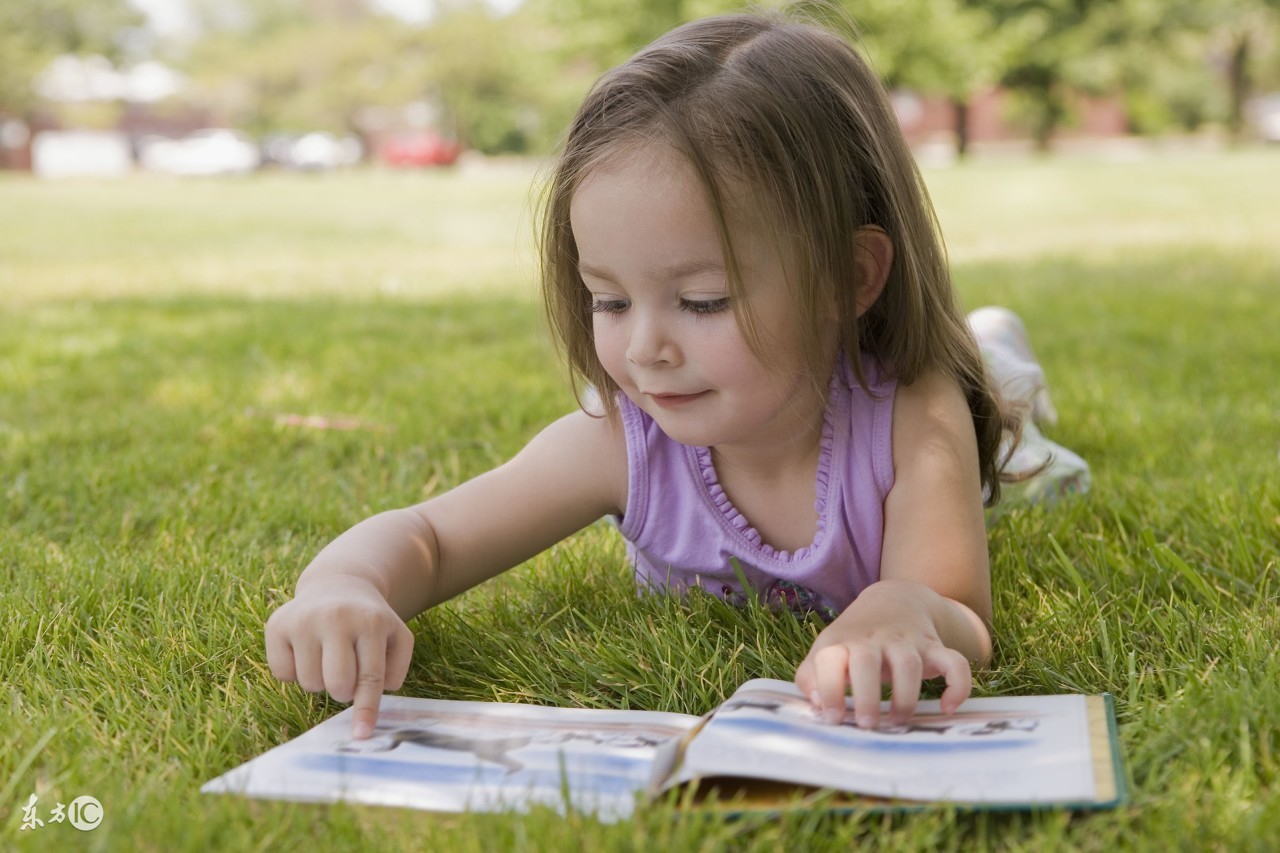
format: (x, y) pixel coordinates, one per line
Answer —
(741, 263)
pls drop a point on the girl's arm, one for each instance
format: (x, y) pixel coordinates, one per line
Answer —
(344, 631)
(929, 614)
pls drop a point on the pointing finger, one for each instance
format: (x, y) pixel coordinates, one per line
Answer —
(371, 657)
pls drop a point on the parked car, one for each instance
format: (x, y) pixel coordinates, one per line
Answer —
(205, 152)
(420, 148)
(80, 153)
(317, 151)
(1265, 112)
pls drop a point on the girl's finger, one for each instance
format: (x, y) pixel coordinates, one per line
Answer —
(805, 680)
(280, 654)
(865, 665)
(830, 666)
(399, 655)
(954, 667)
(339, 666)
(906, 668)
(370, 679)
(306, 661)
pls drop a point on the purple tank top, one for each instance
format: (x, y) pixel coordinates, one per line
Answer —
(681, 528)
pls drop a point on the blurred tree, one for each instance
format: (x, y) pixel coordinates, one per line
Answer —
(567, 44)
(1237, 30)
(603, 33)
(295, 65)
(491, 76)
(1052, 51)
(32, 32)
(1162, 55)
(305, 73)
(935, 47)
(1152, 51)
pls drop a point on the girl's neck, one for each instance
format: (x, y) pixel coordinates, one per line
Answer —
(773, 485)
(787, 448)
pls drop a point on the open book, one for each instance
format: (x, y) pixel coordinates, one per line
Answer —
(761, 748)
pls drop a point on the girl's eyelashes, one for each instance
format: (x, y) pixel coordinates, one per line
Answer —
(609, 306)
(705, 306)
(693, 306)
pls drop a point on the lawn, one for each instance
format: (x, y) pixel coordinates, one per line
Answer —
(162, 344)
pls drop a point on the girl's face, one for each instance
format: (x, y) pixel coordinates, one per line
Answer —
(664, 328)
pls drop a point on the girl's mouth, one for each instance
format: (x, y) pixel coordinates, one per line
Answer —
(671, 401)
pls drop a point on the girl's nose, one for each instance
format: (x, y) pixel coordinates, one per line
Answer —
(649, 343)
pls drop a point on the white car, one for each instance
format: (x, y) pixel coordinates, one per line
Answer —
(205, 152)
(318, 151)
(1265, 112)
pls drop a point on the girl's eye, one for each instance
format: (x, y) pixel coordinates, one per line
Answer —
(705, 306)
(608, 306)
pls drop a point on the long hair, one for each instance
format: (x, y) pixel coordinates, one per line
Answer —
(790, 114)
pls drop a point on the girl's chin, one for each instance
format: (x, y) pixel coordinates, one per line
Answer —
(678, 429)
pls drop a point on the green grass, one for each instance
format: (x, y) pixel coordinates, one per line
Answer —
(153, 511)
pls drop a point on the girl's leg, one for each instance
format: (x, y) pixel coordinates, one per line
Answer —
(1043, 470)
(1007, 350)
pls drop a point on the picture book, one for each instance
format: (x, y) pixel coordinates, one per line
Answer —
(763, 748)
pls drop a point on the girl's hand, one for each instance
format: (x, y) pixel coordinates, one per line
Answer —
(889, 635)
(342, 636)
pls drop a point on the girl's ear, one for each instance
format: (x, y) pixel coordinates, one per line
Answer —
(873, 253)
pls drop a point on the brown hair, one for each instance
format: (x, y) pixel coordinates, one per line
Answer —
(790, 112)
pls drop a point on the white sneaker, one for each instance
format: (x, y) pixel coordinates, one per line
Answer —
(1007, 350)
(1061, 471)
(1052, 470)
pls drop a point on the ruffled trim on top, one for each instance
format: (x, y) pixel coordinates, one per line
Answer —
(822, 489)
(632, 520)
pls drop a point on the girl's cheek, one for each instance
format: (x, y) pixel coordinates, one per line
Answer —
(611, 352)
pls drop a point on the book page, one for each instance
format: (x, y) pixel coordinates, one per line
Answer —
(1006, 750)
(470, 756)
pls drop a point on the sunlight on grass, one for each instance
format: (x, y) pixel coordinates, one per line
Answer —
(347, 235)
(421, 235)
(1100, 209)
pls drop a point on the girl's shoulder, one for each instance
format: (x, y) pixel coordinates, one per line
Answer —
(579, 454)
(598, 443)
(931, 416)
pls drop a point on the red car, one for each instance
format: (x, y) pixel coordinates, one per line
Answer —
(424, 148)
